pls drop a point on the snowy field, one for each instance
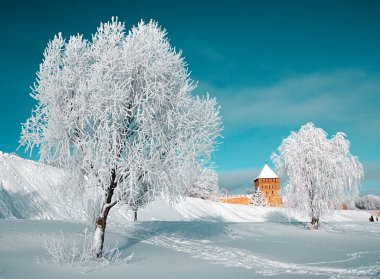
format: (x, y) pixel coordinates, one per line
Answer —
(201, 249)
(193, 239)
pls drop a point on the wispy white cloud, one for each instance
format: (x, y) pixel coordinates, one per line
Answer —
(348, 98)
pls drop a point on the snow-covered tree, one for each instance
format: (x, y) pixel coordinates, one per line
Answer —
(258, 198)
(141, 198)
(321, 173)
(369, 202)
(205, 183)
(117, 112)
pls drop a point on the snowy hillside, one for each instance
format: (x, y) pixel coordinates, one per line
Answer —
(197, 209)
(29, 191)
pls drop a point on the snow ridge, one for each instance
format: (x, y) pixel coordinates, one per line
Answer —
(28, 190)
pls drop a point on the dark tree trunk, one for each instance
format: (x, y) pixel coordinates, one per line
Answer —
(314, 222)
(135, 215)
(101, 220)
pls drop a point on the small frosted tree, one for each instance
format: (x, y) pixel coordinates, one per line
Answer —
(141, 198)
(117, 112)
(258, 198)
(369, 202)
(205, 183)
(321, 173)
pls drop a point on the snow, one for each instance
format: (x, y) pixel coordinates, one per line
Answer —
(201, 249)
(192, 239)
(267, 172)
(27, 190)
(192, 209)
(97, 240)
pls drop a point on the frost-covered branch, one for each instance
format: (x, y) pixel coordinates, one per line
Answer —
(205, 183)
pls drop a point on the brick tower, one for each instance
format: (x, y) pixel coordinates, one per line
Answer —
(269, 184)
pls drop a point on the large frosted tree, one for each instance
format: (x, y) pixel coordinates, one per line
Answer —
(118, 113)
(321, 172)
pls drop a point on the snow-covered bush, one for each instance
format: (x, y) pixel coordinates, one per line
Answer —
(369, 202)
(258, 198)
(321, 173)
(64, 251)
(141, 198)
(205, 184)
(117, 112)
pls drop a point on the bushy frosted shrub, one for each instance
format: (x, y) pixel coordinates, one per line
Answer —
(65, 251)
(369, 202)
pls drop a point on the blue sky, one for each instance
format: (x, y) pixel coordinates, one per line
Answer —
(273, 66)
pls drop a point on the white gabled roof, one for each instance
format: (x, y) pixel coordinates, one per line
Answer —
(267, 172)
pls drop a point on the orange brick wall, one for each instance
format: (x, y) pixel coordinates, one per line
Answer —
(236, 200)
(270, 187)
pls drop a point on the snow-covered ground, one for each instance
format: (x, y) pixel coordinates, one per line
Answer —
(192, 239)
(201, 249)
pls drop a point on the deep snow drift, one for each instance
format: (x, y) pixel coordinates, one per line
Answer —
(192, 239)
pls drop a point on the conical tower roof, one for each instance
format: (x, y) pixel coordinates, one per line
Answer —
(267, 172)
